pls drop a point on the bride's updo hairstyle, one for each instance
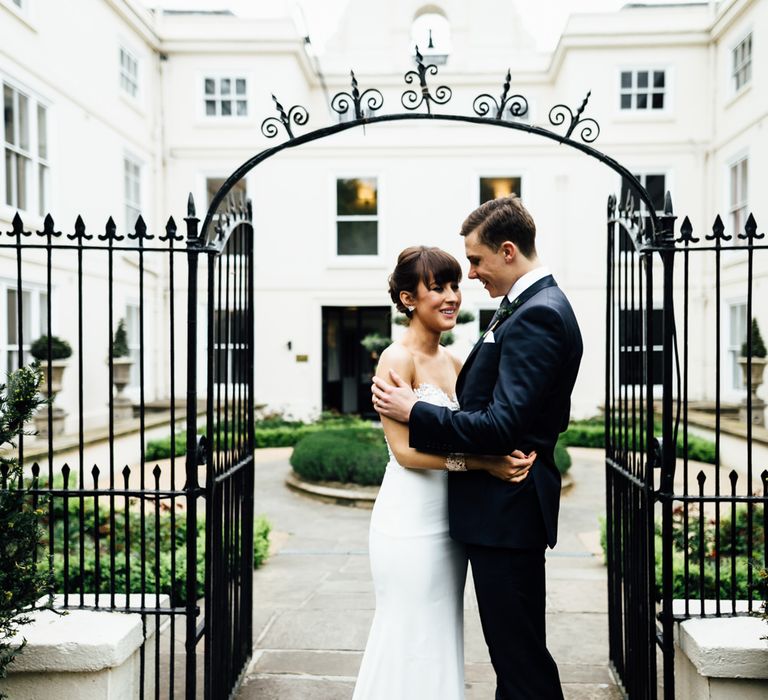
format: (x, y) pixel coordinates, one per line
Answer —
(425, 264)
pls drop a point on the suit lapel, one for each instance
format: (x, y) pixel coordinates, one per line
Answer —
(534, 289)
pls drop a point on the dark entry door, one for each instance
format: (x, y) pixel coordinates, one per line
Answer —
(347, 365)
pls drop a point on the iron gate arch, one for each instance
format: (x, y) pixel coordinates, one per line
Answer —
(358, 109)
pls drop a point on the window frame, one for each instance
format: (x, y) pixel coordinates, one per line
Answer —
(36, 291)
(733, 350)
(658, 347)
(733, 70)
(633, 90)
(356, 261)
(741, 205)
(135, 96)
(38, 178)
(218, 76)
(128, 205)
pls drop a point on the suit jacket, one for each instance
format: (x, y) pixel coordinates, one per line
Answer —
(515, 393)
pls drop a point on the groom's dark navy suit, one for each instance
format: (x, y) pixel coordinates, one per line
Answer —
(514, 394)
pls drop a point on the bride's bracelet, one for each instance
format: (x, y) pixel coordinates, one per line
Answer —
(455, 462)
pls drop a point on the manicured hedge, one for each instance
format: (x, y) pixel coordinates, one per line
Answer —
(591, 433)
(350, 455)
(268, 432)
(562, 458)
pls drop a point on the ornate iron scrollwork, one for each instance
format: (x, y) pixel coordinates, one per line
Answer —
(296, 114)
(411, 100)
(589, 129)
(343, 101)
(518, 105)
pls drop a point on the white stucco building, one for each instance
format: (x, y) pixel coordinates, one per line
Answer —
(111, 109)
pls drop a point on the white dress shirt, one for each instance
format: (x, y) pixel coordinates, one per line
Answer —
(528, 279)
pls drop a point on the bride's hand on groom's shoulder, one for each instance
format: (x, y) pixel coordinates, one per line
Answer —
(512, 468)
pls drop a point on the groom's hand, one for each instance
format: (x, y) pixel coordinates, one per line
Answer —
(394, 400)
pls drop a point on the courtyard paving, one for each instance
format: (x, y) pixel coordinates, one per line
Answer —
(313, 600)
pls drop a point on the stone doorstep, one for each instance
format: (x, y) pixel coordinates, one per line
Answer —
(724, 647)
(83, 641)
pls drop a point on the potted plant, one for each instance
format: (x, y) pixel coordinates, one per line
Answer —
(50, 352)
(121, 371)
(60, 350)
(753, 369)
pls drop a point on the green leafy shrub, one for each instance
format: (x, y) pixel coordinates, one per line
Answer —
(447, 338)
(591, 433)
(562, 458)
(22, 581)
(350, 455)
(711, 559)
(261, 530)
(272, 431)
(60, 349)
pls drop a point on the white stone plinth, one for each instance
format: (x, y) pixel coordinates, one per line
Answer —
(721, 658)
(85, 654)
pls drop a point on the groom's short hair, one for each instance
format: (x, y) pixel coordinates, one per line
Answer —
(503, 219)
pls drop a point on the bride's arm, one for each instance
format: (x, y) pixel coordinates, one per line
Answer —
(397, 358)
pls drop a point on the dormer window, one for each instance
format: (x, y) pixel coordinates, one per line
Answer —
(431, 32)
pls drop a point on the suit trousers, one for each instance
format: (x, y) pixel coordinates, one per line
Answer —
(511, 594)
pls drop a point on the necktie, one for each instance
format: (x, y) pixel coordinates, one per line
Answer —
(505, 302)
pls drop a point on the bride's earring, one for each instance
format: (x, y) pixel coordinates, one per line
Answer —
(410, 308)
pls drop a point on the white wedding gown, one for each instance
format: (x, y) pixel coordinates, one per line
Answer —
(415, 649)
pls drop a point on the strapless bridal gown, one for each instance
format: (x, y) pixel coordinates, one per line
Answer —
(415, 649)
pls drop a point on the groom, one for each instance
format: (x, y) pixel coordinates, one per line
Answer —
(514, 391)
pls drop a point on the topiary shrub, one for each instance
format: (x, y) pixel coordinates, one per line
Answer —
(758, 346)
(120, 341)
(60, 349)
(350, 455)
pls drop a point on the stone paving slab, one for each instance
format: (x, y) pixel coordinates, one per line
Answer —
(314, 599)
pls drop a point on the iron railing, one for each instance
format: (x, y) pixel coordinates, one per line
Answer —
(125, 533)
(683, 539)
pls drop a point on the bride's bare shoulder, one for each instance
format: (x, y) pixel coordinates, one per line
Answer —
(457, 363)
(398, 358)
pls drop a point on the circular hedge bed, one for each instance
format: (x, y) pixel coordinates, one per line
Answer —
(358, 456)
(350, 455)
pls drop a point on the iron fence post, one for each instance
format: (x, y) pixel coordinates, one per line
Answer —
(666, 240)
(193, 252)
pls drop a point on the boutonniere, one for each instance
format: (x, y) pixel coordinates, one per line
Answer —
(504, 313)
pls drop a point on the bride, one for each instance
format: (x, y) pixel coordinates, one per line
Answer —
(415, 649)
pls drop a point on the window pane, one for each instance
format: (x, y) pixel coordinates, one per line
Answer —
(226, 107)
(225, 86)
(22, 169)
(658, 78)
(656, 190)
(210, 86)
(734, 184)
(210, 108)
(24, 122)
(743, 180)
(357, 238)
(242, 108)
(626, 101)
(11, 316)
(8, 114)
(357, 196)
(626, 79)
(240, 86)
(658, 100)
(642, 101)
(9, 172)
(42, 132)
(42, 189)
(495, 187)
(642, 79)
(43, 327)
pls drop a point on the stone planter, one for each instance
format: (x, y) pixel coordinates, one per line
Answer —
(758, 405)
(58, 414)
(121, 376)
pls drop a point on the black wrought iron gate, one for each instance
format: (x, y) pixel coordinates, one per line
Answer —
(675, 548)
